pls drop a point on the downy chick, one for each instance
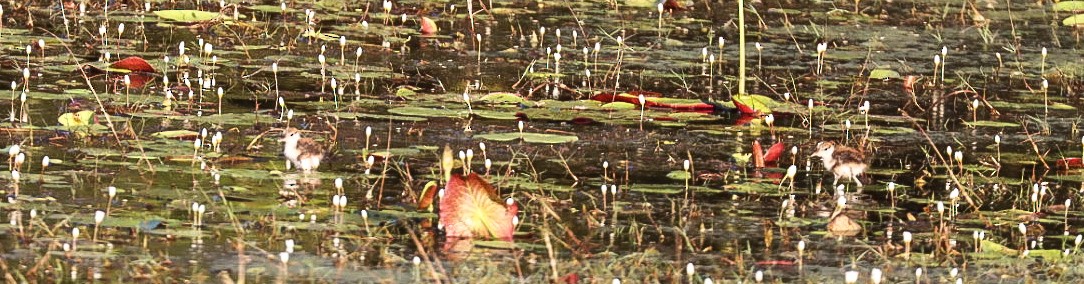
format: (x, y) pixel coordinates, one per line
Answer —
(304, 153)
(843, 161)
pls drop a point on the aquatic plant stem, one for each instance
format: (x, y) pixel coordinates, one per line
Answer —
(741, 47)
(964, 191)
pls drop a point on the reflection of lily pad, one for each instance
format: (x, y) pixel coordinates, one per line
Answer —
(988, 123)
(428, 112)
(175, 134)
(543, 138)
(184, 233)
(1029, 106)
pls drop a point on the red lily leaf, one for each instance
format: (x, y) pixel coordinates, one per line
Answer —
(752, 104)
(609, 98)
(429, 192)
(672, 5)
(571, 278)
(429, 27)
(522, 116)
(693, 107)
(744, 119)
(776, 262)
(134, 64)
(1070, 163)
(651, 100)
(470, 209)
(774, 153)
(137, 80)
(579, 120)
(758, 155)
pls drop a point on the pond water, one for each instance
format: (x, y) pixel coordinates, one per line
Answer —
(966, 113)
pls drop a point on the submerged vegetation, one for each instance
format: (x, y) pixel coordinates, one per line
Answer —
(587, 141)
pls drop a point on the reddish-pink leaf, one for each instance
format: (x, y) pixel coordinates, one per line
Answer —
(672, 5)
(775, 262)
(571, 278)
(758, 155)
(774, 152)
(1070, 163)
(470, 209)
(579, 120)
(429, 26)
(134, 64)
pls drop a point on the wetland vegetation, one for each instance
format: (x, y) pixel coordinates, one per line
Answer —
(623, 140)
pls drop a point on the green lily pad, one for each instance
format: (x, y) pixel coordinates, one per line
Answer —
(175, 134)
(679, 175)
(542, 138)
(187, 16)
(503, 98)
(988, 123)
(619, 105)
(1069, 6)
(428, 112)
(82, 118)
(884, 74)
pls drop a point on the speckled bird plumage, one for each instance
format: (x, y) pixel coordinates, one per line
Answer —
(304, 153)
(842, 161)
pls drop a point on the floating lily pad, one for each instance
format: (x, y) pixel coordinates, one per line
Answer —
(679, 175)
(884, 74)
(428, 112)
(988, 123)
(1069, 6)
(543, 138)
(503, 98)
(175, 134)
(619, 105)
(187, 16)
(82, 118)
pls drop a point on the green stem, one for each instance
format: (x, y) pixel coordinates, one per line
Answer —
(741, 47)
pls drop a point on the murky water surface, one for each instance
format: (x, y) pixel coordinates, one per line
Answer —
(966, 113)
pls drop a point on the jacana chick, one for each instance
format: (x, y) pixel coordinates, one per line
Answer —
(843, 161)
(304, 153)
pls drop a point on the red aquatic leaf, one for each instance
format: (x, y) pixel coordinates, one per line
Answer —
(1070, 163)
(134, 64)
(571, 278)
(579, 120)
(744, 119)
(775, 262)
(652, 100)
(672, 5)
(693, 107)
(752, 104)
(909, 82)
(758, 155)
(428, 26)
(522, 116)
(774, 153)
(429, 192)
(470, 209)
(137, 80)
